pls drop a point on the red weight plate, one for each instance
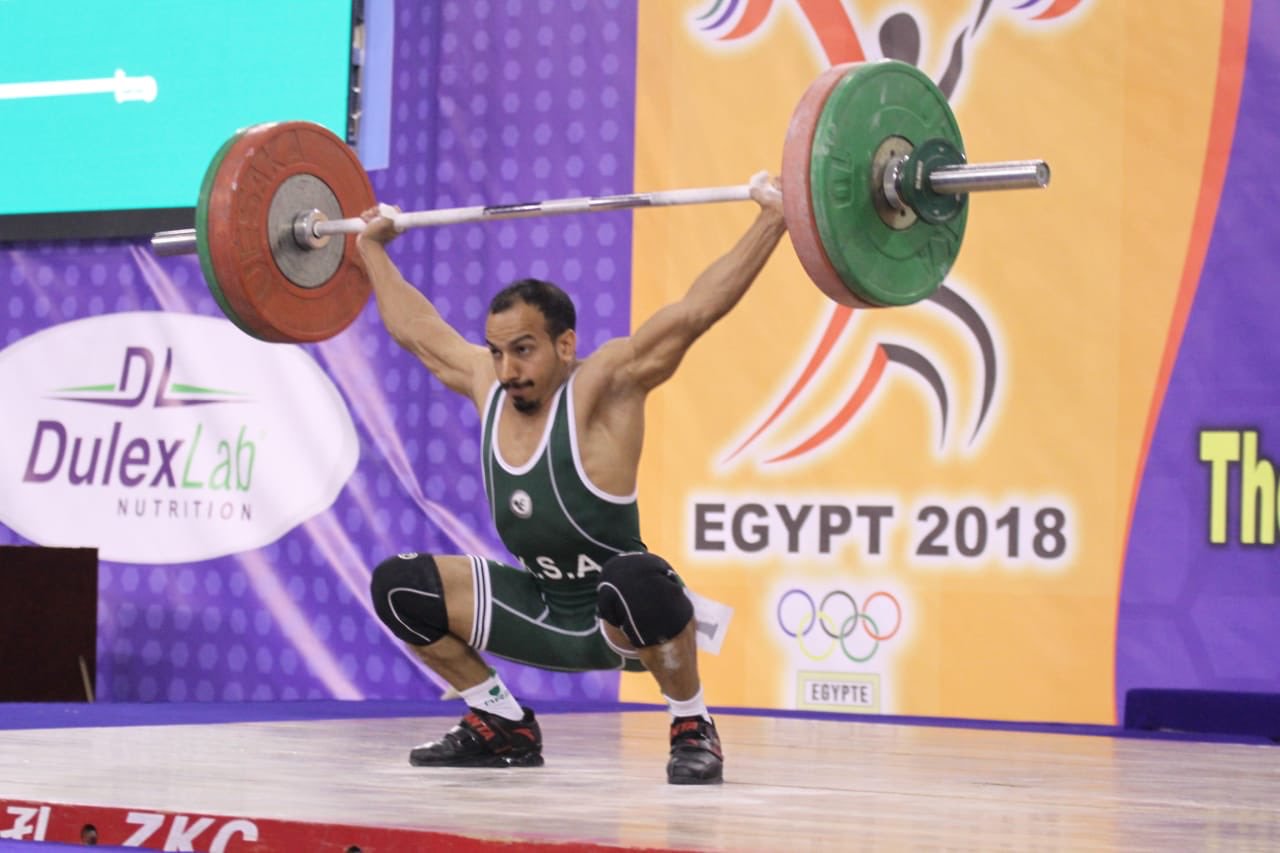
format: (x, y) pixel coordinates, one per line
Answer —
(237, 239)
(797, 192)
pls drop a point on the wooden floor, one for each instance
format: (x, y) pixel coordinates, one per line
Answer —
(791, 784)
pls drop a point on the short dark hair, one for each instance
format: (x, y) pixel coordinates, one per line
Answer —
(552, 302)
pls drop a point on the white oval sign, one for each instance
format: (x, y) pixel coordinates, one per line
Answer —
(166, 438)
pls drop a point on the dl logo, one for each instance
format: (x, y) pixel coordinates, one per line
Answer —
(175, 455)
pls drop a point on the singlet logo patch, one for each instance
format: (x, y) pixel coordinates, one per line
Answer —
(521, 503)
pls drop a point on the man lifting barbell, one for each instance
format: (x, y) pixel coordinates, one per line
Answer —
(562, 438)
(876, 207)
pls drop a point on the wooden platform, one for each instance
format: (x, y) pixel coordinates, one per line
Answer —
(792, 784)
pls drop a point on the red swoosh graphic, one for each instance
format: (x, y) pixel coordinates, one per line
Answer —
(830, 23)
(870, 380)
(1226, 104)
(835, 326)
(756, 12)
(1057, 10)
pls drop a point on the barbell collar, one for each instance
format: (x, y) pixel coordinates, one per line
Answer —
(304, 229)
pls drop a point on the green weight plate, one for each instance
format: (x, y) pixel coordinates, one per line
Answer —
(880, 264)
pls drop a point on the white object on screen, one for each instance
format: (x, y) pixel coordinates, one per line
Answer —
(124, 87)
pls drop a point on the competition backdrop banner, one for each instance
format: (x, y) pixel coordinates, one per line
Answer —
(1051, 483)
(926, 510)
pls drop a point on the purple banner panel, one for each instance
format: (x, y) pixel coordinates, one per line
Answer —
(239, 492)
(1202, 577)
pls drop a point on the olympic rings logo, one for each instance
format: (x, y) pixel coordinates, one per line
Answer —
(840, 618)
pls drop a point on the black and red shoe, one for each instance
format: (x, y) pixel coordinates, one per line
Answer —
(481, 739)
(696, 757)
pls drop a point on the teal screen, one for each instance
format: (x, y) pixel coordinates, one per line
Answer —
(69, 142)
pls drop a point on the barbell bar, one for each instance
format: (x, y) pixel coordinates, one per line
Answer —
(875, 189)
(311, 226)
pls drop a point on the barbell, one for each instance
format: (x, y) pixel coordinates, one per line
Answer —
(875, 190)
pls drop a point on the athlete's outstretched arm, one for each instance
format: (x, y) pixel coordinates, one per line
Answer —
(660, 343)
(413, 321)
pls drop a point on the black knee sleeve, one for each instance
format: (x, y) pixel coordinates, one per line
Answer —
(409, 598)
(641, 594)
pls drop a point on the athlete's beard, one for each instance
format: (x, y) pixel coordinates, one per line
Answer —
(525, 407)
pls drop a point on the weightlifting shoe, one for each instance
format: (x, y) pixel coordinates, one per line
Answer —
(481, 739)
(696, 758)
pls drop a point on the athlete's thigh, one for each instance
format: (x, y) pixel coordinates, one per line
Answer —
(457, 580)
(511, 620)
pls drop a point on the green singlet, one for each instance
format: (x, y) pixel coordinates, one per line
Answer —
(562, 528)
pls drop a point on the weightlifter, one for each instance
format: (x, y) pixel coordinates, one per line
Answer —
(561, 441)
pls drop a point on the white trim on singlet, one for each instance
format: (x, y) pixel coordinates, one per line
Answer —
(622, 656)
(482, 603)
(543, 625)
(577, 459)
(488, 403)
(482, 612)
(542, 442)
(486, 459)
(496, 454)
(482, 619)
(555, 490)
(622, 665)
